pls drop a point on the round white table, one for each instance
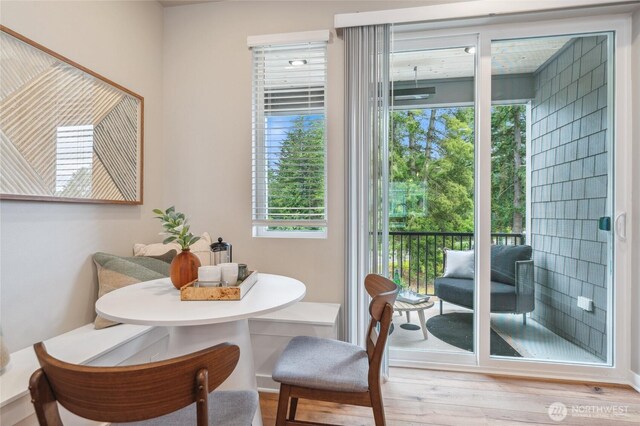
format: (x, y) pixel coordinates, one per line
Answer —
(195, 325)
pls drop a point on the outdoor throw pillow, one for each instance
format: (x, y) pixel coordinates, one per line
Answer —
(459, 264)
(116, 272)
(200, 248)
(503, 262)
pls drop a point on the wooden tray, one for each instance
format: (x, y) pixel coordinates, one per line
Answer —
(236, 292)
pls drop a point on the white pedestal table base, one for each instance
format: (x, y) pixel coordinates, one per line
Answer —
(188, 339)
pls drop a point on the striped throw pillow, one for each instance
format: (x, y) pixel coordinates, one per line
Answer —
(115, 272)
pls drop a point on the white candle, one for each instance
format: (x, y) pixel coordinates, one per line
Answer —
(209, 273)
(229, 272)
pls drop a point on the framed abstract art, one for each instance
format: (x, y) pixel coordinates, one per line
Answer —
(66, 133)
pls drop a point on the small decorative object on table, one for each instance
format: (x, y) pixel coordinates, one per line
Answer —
(194, 291)
(410, 296)
(243, 271)
(222, 252)
(223, 275)
(406, 294)
(184, 267)
(211, 273)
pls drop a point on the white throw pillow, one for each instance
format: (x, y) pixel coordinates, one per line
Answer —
(200, 248)
(460, 264)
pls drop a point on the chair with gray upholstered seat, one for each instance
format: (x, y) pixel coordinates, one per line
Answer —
(174, 392)
(334, 371)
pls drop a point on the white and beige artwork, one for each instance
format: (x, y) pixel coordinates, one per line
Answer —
(64, 132)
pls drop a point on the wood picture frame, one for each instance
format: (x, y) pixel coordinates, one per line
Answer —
(67, 134)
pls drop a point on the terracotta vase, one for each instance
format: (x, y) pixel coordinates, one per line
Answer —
(184, 268)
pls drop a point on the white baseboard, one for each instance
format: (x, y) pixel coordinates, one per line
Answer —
(266, 383)
(634, 380)
(622, 378)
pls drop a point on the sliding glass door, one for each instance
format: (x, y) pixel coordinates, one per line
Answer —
(506, 196)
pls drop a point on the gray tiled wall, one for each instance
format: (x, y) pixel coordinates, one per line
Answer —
(569, 192)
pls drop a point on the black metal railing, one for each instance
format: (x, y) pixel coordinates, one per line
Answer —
(417, 258)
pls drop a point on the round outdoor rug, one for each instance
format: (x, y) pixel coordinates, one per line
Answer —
(456, 329)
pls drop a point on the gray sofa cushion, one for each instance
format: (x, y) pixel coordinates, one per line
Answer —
(226, 408)
(460, 292)
(503, 262)
(323, 364)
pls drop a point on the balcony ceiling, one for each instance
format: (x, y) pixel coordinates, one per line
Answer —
(509, 57)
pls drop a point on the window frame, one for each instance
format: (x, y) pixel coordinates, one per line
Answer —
(259, 138)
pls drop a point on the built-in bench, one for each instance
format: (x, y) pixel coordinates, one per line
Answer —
(135, 344)
(270, 334)
(122, 345)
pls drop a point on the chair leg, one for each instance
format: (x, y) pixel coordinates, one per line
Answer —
(524, 319)
(440, 306)
(202, 397)
(292, 409)
(283, 401)
(378, 406)
(408, 317)
(43, 399)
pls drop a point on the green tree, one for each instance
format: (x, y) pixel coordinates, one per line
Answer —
(296, 178)
(408, 158)
(508, 170)
(433, 149)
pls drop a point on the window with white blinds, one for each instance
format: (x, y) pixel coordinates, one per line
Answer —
(289, 139)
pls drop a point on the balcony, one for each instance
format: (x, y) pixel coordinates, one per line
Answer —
(416, 258)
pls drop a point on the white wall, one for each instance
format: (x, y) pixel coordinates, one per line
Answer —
(47, 276)
(635, 224)
(207, 125)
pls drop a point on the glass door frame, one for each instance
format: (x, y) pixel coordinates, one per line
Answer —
(619, 304)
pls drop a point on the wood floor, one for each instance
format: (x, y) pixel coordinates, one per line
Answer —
(424, 397)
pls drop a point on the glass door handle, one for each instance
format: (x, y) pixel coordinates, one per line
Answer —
(621, 226)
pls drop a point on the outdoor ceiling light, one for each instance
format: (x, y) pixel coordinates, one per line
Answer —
(413, 93)
(471, 50)
(298, 62)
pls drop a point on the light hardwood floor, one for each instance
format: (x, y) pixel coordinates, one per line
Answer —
(425, 397)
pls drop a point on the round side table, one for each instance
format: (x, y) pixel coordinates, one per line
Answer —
(419, 307)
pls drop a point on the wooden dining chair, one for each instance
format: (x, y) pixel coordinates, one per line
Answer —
(334, 371)
(171, 392)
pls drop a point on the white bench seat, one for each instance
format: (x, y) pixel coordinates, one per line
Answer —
(118, 345)
(271, 333)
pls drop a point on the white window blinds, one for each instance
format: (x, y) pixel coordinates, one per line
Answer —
(289, 138)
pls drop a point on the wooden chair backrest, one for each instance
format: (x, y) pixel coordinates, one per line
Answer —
(383, 294)
(130, 393)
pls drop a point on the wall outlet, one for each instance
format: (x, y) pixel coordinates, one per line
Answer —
(585, 303)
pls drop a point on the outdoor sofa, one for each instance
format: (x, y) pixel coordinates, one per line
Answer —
(512, 286)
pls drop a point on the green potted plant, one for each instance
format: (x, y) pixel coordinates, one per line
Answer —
(184, 267)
